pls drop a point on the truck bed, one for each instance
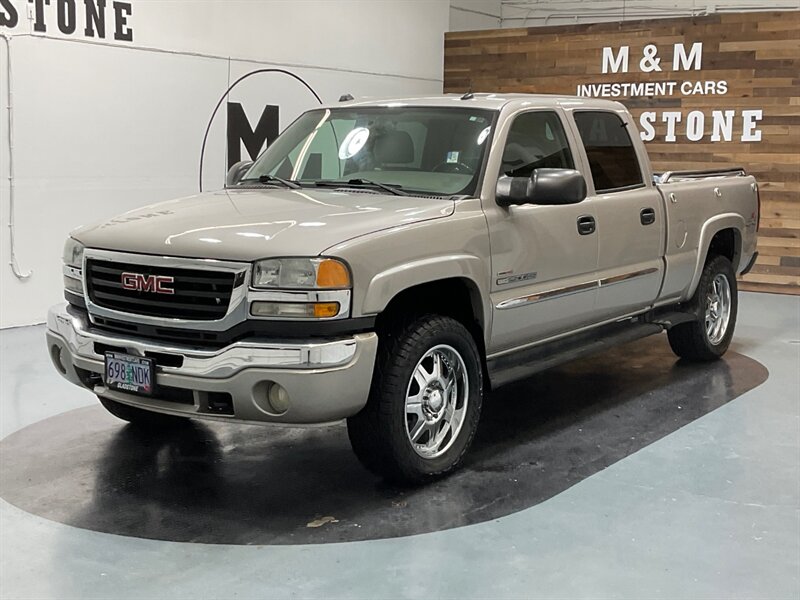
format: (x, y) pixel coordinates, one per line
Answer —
(699, 203)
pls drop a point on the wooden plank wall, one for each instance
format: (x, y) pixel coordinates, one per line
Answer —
(756, 54)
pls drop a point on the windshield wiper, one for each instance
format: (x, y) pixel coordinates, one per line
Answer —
(363, 183)
(287, 183)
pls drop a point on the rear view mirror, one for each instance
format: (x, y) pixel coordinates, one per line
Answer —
(544, 186)
(237, 171)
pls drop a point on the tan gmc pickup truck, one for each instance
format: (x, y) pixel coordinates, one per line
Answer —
(389, 262)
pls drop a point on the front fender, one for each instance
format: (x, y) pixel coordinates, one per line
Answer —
(386, 284)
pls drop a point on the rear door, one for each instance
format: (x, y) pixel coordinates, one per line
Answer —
(629, 211)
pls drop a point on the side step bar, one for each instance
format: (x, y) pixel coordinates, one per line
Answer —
(528, 361)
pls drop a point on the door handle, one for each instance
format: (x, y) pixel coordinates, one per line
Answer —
(647, 216)
(586, 225)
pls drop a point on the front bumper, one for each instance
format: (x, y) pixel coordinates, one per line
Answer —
(326, 380)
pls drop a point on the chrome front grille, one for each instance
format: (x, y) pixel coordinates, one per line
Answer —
(190, 294)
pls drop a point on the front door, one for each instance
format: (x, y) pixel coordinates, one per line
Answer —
(544, 258)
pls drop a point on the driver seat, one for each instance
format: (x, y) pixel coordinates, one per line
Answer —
(394, 147)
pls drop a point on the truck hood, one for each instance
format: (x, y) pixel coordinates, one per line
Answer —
(246, 225)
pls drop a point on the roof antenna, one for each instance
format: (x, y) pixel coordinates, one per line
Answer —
(469, 95)
(345, 98)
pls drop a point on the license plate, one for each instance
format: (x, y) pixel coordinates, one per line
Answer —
(130, 373)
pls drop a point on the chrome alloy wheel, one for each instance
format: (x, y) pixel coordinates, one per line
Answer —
(718, 309)
(436, 401)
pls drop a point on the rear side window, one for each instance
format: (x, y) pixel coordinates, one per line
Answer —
(612, 157)
(536, 140)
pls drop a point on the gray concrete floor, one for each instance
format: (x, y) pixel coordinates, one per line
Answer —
(710, 511)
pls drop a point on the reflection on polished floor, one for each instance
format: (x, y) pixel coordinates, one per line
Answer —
(627, 475)
(227, 483)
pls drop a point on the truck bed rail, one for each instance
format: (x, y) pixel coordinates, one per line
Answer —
(669, 175)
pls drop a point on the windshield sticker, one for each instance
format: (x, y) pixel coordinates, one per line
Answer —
(483, 135)
(353, 142)
(452, 157)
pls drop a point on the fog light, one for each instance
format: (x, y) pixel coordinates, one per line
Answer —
(278, 398)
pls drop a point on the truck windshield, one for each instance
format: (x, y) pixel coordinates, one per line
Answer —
(414, 149)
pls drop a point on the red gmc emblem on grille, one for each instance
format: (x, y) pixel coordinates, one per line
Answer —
(156, 284)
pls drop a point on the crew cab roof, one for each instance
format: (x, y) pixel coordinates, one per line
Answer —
(488, 101)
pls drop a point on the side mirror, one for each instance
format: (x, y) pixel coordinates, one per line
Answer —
(544, 186)
(237, 171)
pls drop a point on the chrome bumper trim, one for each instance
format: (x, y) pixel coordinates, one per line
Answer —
(72, 327)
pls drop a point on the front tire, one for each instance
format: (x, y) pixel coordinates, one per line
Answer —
(140, 417)
(716, 304)
(424, 404)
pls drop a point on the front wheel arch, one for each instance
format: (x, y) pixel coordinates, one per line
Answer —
(455, 297)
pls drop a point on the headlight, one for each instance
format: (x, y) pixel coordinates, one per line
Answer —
(73, 253)
(73, 267)
(74, 285)
(301, 273)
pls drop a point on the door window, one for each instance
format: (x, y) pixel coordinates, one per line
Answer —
(611, 154)
(535, 140)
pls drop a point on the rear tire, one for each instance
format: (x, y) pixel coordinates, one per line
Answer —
(424, 404)
(140, 417)
(715, 302)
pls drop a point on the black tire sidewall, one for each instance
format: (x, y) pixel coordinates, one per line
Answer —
(434, 331)
(719, 265)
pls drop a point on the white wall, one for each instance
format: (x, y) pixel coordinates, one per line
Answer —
(469, 15)
(100, 128)
(538, 13)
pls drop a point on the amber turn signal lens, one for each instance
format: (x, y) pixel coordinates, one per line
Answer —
(332, 274)
(302, 310)
(323, 310)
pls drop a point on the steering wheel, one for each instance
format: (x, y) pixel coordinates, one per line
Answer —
(452, 167)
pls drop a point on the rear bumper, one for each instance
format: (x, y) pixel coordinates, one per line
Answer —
(750, 264)
(326, 380)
